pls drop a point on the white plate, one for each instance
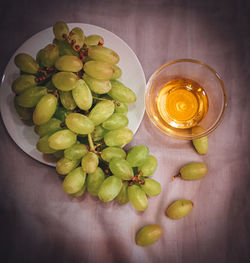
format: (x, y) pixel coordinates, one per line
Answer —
(132, 76)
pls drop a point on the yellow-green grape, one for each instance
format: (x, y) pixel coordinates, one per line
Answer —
(151, 187)
(112, 152)
(115, 121)
(117, 72)
(31, 96)
(76, 151)
(137, 197)
(45, 109)
(98, 133)
(58, 154)
(101, 53)
(110, 188)
(148, 235)
(81, 192)
(118, 137)
(90, 162)
(67, 100)
(43, 145)
(121, 93)
(60, 30)
(24, 113)
(47, 56)
(200, 144)
(98, 70)
(179, 209)
(96, 85)
(26, 63)
(76, 38)
(137, 155)
(121, 168)
(149, 167)
(79, 123)
(94, 181)
(65, 48)
(74, 181)
(64, 81)
(61, 140)
(122, 197)
(68, 63)
(48, 128)
(93, 40)
(121, 107)
(61, 113)
(102, 111)
(23, 82)
(193, 171)
(82, 95)
(65, 165)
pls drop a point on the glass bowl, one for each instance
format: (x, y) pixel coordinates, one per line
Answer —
(200, 73)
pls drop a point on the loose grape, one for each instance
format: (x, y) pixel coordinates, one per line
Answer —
(148, 235)
(193, 171)
(179, 209)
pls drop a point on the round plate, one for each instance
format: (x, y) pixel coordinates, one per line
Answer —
(132, 76)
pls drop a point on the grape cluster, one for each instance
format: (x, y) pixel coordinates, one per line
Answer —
(72, 94)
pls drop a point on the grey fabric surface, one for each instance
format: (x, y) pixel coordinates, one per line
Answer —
(39, 223)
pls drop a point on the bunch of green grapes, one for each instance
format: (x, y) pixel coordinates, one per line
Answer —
(72, 94)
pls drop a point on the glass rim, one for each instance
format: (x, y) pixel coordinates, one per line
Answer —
(195, 61)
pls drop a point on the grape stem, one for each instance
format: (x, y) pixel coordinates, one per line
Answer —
(115, 102)
(174, 177)
(91, 144)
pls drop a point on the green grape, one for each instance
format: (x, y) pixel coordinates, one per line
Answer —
(179, 209)
(97, 86)
(98, 70)
(79, 123)
(115, 121)
(117, 72)
(151, 187)
(121, 168)
(193, 171)
(81, 192)
(68, 63)
(61, 140)
(64, 81)
(82, 95)
(149, 167)
(60, 29)
(118, 137)
(65, 48)
(74, 181)
(31, 96)
(137, 197)
(61, 113)
(49, 127)
(137, 155)
(43, 145)
(76, 151)
(26, 63)
(47, 56)
(94, 181)
(67, 100)
(59, 154)
(45, 109)
(101, 53)
(148, 235)
(93, 40)
(98, 133)
(122, 197)
(65, 166)
(200, 144)
(24, 113)
(90, 162)
(121, 107)
(23, 82)
(102, 111)
(76, 38)
(112, 152)
(121, 93)
(110, 188)
(49, 85)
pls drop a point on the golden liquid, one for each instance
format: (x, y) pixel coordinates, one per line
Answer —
(182, 103)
